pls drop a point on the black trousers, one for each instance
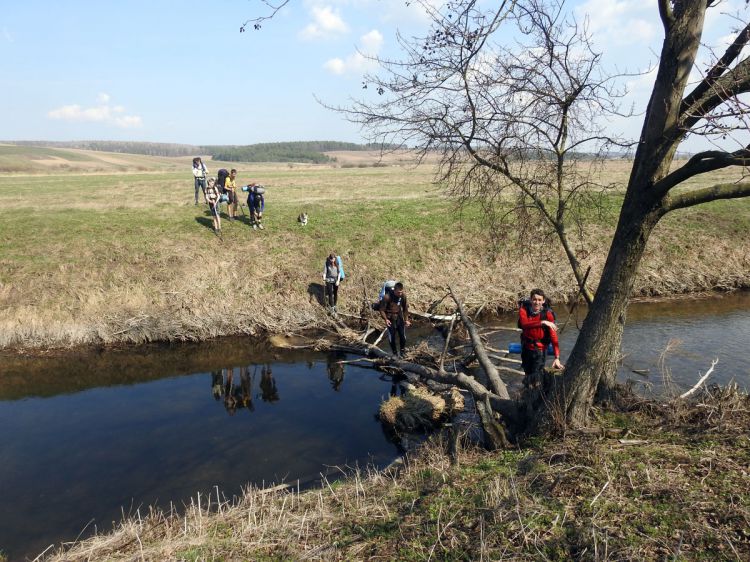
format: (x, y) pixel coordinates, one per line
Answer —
(397, 328)
(332, 293)
(532, 361)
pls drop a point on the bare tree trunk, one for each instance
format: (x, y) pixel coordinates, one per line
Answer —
(592, 363)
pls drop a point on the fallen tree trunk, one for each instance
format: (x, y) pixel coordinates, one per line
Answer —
(495, 381)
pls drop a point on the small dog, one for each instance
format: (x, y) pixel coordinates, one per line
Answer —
(302, 219)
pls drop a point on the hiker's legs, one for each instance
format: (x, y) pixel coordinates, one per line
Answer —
(401, 329)
(200, 184)
(532, 362)
(392, 336)
(329, 293)
(335, 294)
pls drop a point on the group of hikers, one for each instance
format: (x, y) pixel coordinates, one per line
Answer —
(535, 316)
(223, 189)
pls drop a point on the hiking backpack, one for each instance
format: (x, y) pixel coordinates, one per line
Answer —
(221, 179)
(340, 265)
(386, 288)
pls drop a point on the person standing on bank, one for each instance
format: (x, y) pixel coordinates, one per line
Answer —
(200, 173)
(332, 278)
(394, 309)
(230, 188)
(538, 330)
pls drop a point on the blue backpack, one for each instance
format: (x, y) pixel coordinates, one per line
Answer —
(340, 265)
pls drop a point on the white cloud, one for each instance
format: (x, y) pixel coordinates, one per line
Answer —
(326, 23)
(360, 61)
(620, 22)
(372, 42)
(7, 35)
(335, 66)
(102, 113)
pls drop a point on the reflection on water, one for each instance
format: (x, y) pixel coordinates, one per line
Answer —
(88, 456)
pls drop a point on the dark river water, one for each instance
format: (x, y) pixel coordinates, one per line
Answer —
(87, 438)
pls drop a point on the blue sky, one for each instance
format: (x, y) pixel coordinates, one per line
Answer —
(180, 71)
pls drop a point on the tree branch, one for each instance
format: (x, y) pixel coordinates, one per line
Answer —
(730, 85)
(495, 381)
(666, 15)
(701, 163)
(713, 193)
(260, 19)
(732, 52)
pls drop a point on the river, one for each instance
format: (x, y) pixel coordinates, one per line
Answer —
(90, 436)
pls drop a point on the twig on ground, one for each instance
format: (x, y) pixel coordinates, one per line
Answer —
(700, 381)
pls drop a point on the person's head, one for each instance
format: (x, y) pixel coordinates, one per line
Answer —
(331, 258)
(398, 289)
(211, 182)
(196, 161)
(232, 173)
(537, 299)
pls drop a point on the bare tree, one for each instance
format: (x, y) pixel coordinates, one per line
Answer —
(519, 125)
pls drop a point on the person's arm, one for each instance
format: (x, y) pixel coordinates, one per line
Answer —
(325, 268)
(556, 364)
(405, 306)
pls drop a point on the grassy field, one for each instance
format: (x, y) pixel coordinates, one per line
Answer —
(104, 248)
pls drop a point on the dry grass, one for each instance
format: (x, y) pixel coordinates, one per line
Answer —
(673, 485)
(100, 258)
(419, 409)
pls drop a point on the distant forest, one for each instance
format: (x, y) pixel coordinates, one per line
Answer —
(302, 151)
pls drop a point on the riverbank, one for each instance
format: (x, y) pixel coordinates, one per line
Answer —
(654, 481)
(126, 258)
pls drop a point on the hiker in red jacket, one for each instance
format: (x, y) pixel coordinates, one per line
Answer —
(538, 330)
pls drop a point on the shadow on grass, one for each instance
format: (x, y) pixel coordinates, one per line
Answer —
(206, 221)
(317, 292)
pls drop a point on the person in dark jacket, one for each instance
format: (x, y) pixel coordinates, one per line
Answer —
(394, 308)
(538, 330)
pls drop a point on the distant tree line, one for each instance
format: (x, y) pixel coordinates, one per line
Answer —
(300, 151)
(127, 147)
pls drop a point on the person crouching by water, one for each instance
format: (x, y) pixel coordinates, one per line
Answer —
(538, 330)
(332, 278)
(394, 309)
(200, 173)
(211, 195)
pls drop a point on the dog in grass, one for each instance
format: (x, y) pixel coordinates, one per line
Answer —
(302, 219)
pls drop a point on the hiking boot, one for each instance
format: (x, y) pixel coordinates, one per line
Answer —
(260, 226)
(255, 227)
